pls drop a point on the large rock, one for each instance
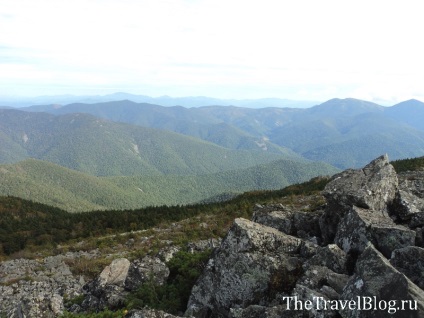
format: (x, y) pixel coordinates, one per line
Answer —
(332, 257)
(276, 216)
(302, 224)
(111, 287)
(148, 268)
(107, 290)
(410, 197)
(114, 274)
(410, 261)
(360, 226)
(377, 282)
(253, 263)
(373, 187)
(412, 182)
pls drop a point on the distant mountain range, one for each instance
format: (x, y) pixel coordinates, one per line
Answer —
(191, 101)
(124, 154)
(342, 132)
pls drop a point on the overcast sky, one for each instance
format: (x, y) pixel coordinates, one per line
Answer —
(302, 50)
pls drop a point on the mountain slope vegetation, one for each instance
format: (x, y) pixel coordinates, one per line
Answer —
(104, 148)
(74, 191)
(25, 223)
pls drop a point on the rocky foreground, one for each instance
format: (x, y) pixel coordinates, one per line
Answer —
(360, 255)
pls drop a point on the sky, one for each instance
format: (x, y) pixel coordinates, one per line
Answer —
(299, 50)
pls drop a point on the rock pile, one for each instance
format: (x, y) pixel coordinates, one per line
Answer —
(36, 288)
(360, 256)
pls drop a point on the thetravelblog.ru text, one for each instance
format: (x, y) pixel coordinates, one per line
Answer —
(365, 303)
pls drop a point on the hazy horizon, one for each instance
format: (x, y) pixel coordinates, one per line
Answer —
(303, 50)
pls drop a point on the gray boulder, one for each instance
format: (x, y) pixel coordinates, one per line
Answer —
(148, 268)
(412, 182)
(409, 199)
(302, 224)
(330, 256)
(360, 226)
(410, 261)
(253, 263)
(276, 216)
(378, 284)
(373, 187)
(107, 290)
(111, 287)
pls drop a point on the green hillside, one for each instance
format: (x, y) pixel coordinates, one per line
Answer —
(103, 148)
(195, 122)
(71, 190)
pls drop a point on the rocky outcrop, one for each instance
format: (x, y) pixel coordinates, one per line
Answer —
(253, 263)
(298, 223)
(360, 226)
(379, 285)
(409, 199)
(295, 263)
(373, 187)
(410, 261)
(36, 288)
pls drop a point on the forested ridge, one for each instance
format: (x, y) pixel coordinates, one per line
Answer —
(25, 223)
(74, 191)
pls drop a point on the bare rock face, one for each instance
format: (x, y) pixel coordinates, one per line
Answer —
(378, 284)
(373, 187)
(140, 271)
(252, 262)
(332, 257)
(302, 224)
(360, 226)
(410, 261)
(409, 199)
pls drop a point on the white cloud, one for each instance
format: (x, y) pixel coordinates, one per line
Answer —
(357, 48)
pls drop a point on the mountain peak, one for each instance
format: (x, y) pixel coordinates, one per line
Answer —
(347, 106)
(410, 103)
